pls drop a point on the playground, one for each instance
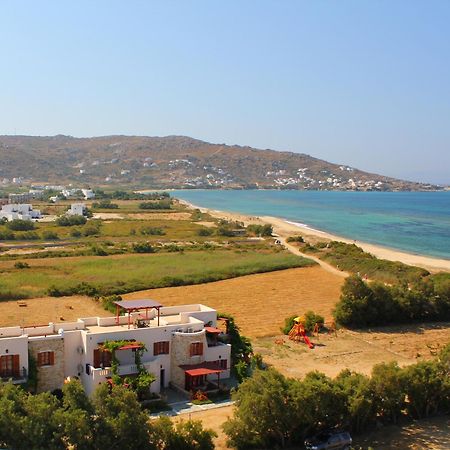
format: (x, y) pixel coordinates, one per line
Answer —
(358, 351)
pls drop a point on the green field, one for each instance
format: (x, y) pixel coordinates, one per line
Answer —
(126, 273)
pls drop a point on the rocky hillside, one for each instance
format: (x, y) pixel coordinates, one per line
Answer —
(175, 162)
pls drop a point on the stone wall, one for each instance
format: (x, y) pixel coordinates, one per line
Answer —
(180, 354)
(49, 377)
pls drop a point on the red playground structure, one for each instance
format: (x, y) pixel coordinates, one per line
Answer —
(298, 334)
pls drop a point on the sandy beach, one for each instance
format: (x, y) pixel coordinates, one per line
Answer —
(285, 229)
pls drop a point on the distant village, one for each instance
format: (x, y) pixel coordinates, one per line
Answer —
(18, 206)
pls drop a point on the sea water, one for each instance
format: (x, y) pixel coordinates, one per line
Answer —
(415, 222)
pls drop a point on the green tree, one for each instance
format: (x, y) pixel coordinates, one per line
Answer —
(426, 387)
(185, 435)
(120, 421)
(262, 416)
(357, 391)
(388, 390)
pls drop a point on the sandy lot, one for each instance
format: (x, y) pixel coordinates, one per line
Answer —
(357, 351)
(261, 302)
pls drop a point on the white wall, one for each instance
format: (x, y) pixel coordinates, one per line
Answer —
(16, 346)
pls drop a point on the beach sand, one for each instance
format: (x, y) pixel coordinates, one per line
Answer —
(285, 229)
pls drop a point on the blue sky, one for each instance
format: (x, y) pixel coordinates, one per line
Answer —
(365, 83)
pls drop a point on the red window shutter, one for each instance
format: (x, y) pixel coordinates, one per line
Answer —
(16, 365)
(191, 352)
(97, 358)
(51, 359)
(155, 349)
(39, 359)
(200, 348)
(107, 357)
(166, 349)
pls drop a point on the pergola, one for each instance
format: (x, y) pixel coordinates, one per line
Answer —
(202, 369)
(136, 305)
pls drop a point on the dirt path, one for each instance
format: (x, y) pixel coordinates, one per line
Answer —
(323, 264)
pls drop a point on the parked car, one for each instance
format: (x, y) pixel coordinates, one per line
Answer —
(332, 440)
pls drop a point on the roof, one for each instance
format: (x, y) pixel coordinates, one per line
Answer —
(210, 366)
(142, 303)
(213, 330)
(130, 346)
(201, 371)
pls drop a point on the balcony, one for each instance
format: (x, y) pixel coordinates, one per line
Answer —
(16, 376)
(101, 374)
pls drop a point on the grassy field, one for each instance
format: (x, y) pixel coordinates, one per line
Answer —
(131, 272)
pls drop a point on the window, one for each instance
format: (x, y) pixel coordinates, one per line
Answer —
(196, 348)
(9, 366)
(102, 358)
(46, 359)
(223, 364)
(161, 348)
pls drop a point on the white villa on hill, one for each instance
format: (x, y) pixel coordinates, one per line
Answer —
(19, 211)
(181, 347)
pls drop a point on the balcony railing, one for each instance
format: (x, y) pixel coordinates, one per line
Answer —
(17, 376)
(99, 374)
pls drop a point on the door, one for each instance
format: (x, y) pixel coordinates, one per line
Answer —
(9, 366)
(162, 375)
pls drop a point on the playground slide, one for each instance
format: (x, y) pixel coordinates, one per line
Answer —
(307, 341)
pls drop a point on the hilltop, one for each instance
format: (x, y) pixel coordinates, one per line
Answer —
(176, 162)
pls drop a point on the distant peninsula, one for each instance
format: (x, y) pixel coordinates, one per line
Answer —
(178, 162)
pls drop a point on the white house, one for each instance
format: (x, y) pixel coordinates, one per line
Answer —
(179, 345)
(77, 209)
(19, 211)
(88, 194)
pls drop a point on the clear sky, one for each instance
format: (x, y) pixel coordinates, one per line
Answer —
(365, 83)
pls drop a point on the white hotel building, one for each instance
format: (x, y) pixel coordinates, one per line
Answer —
(181, 342)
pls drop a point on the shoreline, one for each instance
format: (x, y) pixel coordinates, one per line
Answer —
(285, 228)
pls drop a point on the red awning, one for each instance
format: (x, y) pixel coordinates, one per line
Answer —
(201, 371)
(130, 347)
(213, 330)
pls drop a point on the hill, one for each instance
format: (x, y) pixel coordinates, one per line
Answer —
(176, 162)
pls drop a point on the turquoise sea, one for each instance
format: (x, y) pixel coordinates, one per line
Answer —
(415, 222)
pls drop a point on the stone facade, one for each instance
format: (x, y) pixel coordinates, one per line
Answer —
(180, 354)
(49, 377)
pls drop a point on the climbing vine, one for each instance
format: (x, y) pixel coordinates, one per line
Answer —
(140, 383)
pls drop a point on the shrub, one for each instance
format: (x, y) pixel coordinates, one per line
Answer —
(260, 230)
(28, 236)
(50, 235)
(97, 250)
(161, 204)
(143, 247)
(298, 239)
(69, 220)
(21, 265)
(105, 204)
(288, 324)
(7, 235)
(152, 231)
(205, 231)
(75, 232)
(362, 304)
(91, 229)
(20, 225)
(311, 318)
